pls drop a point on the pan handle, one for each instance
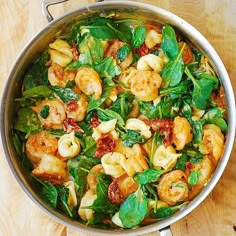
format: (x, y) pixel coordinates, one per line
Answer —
(165, 231)
(47, 3)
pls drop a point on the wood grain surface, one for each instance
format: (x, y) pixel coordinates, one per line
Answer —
(22, 19)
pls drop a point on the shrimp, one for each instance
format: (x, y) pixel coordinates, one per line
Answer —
(50, 167)
(57, 75)
(89, 82)
(145, 84)
(212, 141)
(152, 38)
(92, 179)
(206, 169)
(112, 51)
(72, 199)
(39, 144)
(87, 200)
(77, 110)
(121, 188)
(181, 132)
(173, 187)
(56, 114)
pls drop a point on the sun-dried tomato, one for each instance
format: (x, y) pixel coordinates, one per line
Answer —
(142, 50)
(187, 54)
(72, 105)
(165, 126)
(95, 122)
(188, 168)
(105, 144)
(75, 53)
(71, 125)
(114, 193)
(219, 98)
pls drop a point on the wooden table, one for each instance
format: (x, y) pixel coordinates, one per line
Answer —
(215, 19)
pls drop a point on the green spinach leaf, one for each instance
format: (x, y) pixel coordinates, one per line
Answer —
(44, 112)
(65, 94)
(181, 162)
(148, 176)
(193, 177)
(47, 191)
(133, 209)
(91, 50)
(130, 137)
(173, 71)
(38, 73)
(169, 42)
(27, 121)
(107, 68)
(138, 36)
(107, 114)
(63, 194)
(39, 91)
(79, 176)
(201, 91)
(123, 52)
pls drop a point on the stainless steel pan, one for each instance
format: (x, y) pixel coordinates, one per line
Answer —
(39, 43)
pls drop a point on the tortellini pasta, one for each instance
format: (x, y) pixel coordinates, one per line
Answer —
(150, 62)
(104, 128)
(87, 200)
(60, 52)
(139, 125)
(126, 76)
(68, 145)
(165, 157)
(72, 198)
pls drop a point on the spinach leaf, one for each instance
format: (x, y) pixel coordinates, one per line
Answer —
(165, 212)
(169, 43)
(123, 105)
(27, 121)
(47, 192)
(181, 88)
(63, 194)
(95, 103)
(86, 127)
(210, 77)
(123, 52)
(193, 177)
(133, 209)
(89, 146)
(18, 145)
(107, 114)
(102, 203)
(44, 112)
(186, 110)
(215, 116)
(138, 36)
(65, 94)
(107, 68)
(173, 71)
(79, 176)
(150, 191)
(148, 110)
(148, 176)
(130, 137)
(201, 91)
(39, 91)
(100, 28)
(91, 50)
(124, 32)
(181, 162)
(38, 73)
(197, 131)
(73, 65)
(197, 56)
